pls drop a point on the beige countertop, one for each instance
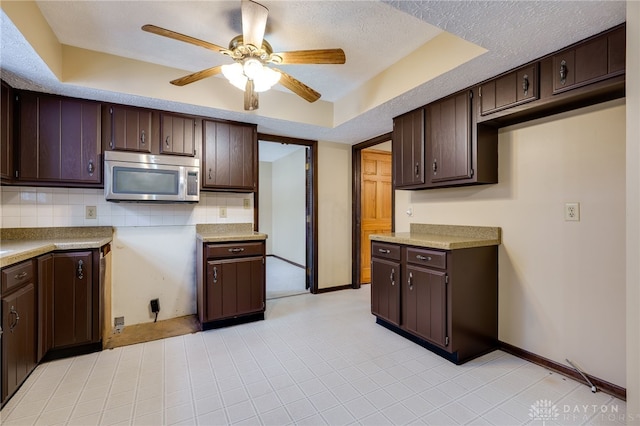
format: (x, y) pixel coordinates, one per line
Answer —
(18, 244)
(445, 237)
(223, 232)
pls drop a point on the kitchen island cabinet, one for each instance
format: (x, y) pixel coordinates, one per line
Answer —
(446, 289)
(230, 274)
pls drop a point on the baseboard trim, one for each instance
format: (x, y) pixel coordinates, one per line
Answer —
(286, 260)
(337, 288)
(602, 385)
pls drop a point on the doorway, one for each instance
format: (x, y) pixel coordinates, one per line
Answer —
(287, 212)
(373, 201)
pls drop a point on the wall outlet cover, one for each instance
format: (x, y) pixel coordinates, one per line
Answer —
(572, 212)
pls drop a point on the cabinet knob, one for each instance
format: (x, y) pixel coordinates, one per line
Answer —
(525, 84)
(563, 71)
(80, 270)
(91, 168)
(14, 324)
(142, 137)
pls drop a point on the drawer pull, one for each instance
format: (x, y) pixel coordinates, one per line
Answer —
(384, 251)
(14, 324)
(420, 257)
(236, 250)
(20, 276)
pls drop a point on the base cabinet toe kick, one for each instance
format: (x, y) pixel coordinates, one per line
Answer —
(444, 300)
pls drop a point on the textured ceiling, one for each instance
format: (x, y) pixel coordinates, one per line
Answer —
(373, 34)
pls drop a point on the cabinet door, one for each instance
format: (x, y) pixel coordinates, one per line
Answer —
(515, 88)
(449, 138)
(408, 149)
(597, 59)
(130, 129)
(59, 139)
(385, 289)
(72, 299)
(230, 156)
(234, 287)
(177, 135)
(424, 304)
(6, 133)
(18, 338)
(45, 305)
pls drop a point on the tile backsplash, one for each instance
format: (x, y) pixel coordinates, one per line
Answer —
(30, 207)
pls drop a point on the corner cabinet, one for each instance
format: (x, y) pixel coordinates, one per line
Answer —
(444, 300)
(230, 156)
(230, 282)
(59, 140)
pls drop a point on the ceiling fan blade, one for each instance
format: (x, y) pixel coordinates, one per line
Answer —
(318, 56)
(197, 76)
(181, 37)
(250, 97)
(254, 22)
(298, 87)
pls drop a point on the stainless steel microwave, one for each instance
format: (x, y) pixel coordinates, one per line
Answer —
(148, 178)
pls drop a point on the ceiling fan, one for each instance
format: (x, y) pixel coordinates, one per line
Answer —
(252, 53)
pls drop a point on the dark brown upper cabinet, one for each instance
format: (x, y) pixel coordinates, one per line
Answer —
(230, 156)
(515, 88)
(408, 150)
(449, 138)
(130, 129)
(177, 134)
(6, 133)
(59, 140)
(596, 59)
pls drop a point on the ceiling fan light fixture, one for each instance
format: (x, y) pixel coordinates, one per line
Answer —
(265, 79)
(234, 73)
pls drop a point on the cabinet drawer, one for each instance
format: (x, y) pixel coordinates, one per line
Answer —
(234, 249)
(17, 275)
(431, 258)
(387, 251)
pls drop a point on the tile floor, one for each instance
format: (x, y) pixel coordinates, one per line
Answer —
(284, 279)
(315, 360)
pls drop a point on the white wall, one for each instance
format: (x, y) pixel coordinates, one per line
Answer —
(265, 214)
(561, 284)
(153, 248)
(334, 214)
(289, 207)
(633, 209)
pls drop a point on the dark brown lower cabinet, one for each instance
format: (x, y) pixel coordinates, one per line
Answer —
(18, 327)
(385, 289)
(444, 300)
(231, 282)
(45, 305)
(73, 293)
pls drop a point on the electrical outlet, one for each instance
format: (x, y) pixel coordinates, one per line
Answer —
(572, 212)
(246, 203)
(155, 305)
(118, 323)
(223, 212)
(91, 212)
